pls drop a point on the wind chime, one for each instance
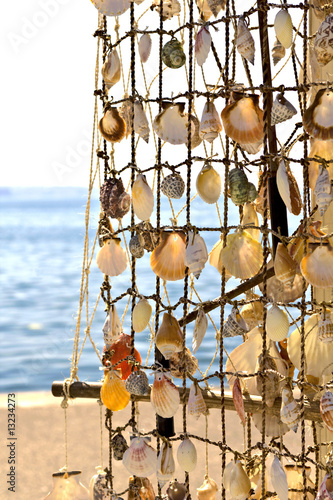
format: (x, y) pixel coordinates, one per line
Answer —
(177, 79)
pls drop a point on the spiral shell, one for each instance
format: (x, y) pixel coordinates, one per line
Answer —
(208, 184)
(111, 7)
(114, 199)
(321, 150)
(196, 404)
(284, 28)
(173, 55)
(290, 412)
(323, 191)
(165, 464)
(187, 455)
(282, 110)
(145, 47)
(325, 328)
(112, 327)
(141, 315)
(111, 71)
(239, 186)
(111, 258)
(272, 379)
(234, 325)
(112, 126)
(288, 188)
(142, 198)
(180, 364)
(323, 41)
(98, 488)
(210, 124)
(164, 396)
(173, 186)
(244, 41)
(326, 409)
(176, 491)
(277, 324)
(202, 45)
(113, 392)
(140, 488)
(169, 337)
(318, 117)
(168, 258)
(196, 254)
(141, 125)
(243, 255)
(140, 458)
(278, 52)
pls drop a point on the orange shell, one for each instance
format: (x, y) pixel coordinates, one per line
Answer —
(169, 337)
(317, 267)
(122, 348)
(318, 118)
(168, 258)
(113, 392)
(243, 119)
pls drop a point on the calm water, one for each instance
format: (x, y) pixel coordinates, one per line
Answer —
(42, 235)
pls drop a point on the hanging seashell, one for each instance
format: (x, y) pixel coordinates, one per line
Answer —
(112, 126)
(208, 184)
(98, 487)
(169, 338)
(141, 125)
(170, 8)
(126, 113)
(202, 45)
(284, 266)
(141, 315)
(237, 397)
(112, 327)
(200, 328)
(187, 455)
(142, 198)
(227, 474)
(273, 428)
(239, 186)
(278, 479)
(250, 217)
(140, 458)
(145, 47)
(208, 489)
(210, 125)
(252, 313)
(321, 8)
(288, 188)
(323, 41)
(243, 119)
(173, 55)
(114, 199)
(119, 350)
(290, 412)
(180, 364)
(272, 380)
(140, 488)
(173, 186)
(176, 491)
(322, 150)
(147, 235)
(111, 258)
(67, 485)
(277, 324)
(216, 5)
(244, 41)
(317, 267)
(282, 110)
(243, 255)
(234, 325)
(295, 482)
(164, 396)
(326, 489)
(318, 118)
(119, 446)
(168, 258)
(325, 328)
(260, 201)
(111, 71)
(136, 246)
(323, 191)
(284, 28)
(215, 258)
(113, 392)
(137, 383)
(278, 52)
(239, 482)
(111, 7)
(326, 409)
(196, 254)
(165, 464)
(195, 137)
(171, 125)
(196, 404)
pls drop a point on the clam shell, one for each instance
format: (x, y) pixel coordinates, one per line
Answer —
(111, 7)
(284, 266)
(277, 324)
(172, 53)
(187, 455)
(323, 41)
(323, 191)
(317, 267)
(243, 255)
(171, 125)
(282, 110)
(210, 124)
(119, 446)
(170, 8)
(202, 45)
(208, 184)
(288, 189)
(196, 254)
(112, 327)
(142, 198)
(173, 186)
(253, 148)
(164, 396)
(112, 126)
(165, 464)
(322, 149)
(226, 475)
(208, 490)
(111, 71)
(250, 217)
(176, 491)
(245, 41)
(272, 380)
(196, 404)
(234, 325)
(278, 52)
(200, 328)
(240, 484)
(290, 412)
(114, 199)
(325, 328)
(326, 409)
(113, 392)
(284, 28)
(318, 117)
(141, 125)
(243, 119)
(145, 47)
(141, 315)
(111, 258)
(169, 338)
(137, 383)
(237, 397)
(168, 258)
(140, 458)
(278, 479)
(215, 258)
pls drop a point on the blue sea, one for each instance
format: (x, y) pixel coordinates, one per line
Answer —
(42, 237)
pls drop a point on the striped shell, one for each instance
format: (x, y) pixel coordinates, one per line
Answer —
(243, 255)
(145, 47)
(284, 28)
(140, 458)
(215, 258)
(317, 267)
(136, 246)
(113, 392)
(239, 187)
(282, 110)
(169, 338)
(196, 404)
(173, 186)
(272, 379)
(168, 258)
(320, 149)
(141, 315)
(288, 188)
(290, 409)
(234, 325)
(318, 117)
(142, 198)
(165, 464)
(171, 125)
(111, 258)
(245, 41)
(278, 52)
(164, 396)
(325, 328)
(173, 55)
(277, 324)
(323, 190)
(208, 184)
(326, 409)
(111, 7)
(323, 42)
(112, 126)
(210, 124)
(196, 254)
(187, 455)
(202, 45)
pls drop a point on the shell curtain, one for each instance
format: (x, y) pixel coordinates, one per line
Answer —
(213, 162)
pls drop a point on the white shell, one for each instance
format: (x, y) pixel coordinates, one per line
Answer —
(323, 42)
(142, 198)
(323, 191)
(239, 482)
(215, 258)
(200, 328)
(284, 28)
(202, 45)
(245, 41)
(164, 396)
(277, 324)
(112, 327)
(111, 258)
(317, 267)
(278, 479)
(196, 254)
(210, 124)
(196, 404)
(187, 455)
(288, 189)
(208, 184)
(290, 410)
(141, 315)
(111, 71)
(165, 464)
(145, 47)
(111, 7)
(141, 125)
(171, 125)
(140, 458)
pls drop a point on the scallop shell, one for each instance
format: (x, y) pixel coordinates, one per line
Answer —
(237, 397)
(114, 199)
(196, 254)
(169, 338)
(141, 125)
(273, 428)
(168, 258)
(290, 412)
(243, 119)
(112, 126)
(164, 396)
(112, 327)
(210, 125)
(196, 404)
(111, 258)
(320, 149)
(317, 267)
(142, 198)
(173, 55)
(282, 110)
(136, 246)
(208, 489)
(245, 41)
(119, 446)
(141, 315)
(284, 266)
(171, 125)
(326, 409)
(118, 351)
(215, 258)
(234, 325)
(111, 71)
(318, 117)
(170, 8)
(145, 47)
(243, 255)
(323, 41)
(278, 52)
(208, 184)
(325, 491)
(187, 455)
(277, 324)
(272, 380)
(113, 392)
(202, 45)
(288, 189)
(325, 328)
(278, 479)
(323, 191)
(284, 28)
(200, 328)
(140, 458)
(137, 383)
(318, 355)
(250, 217)
(176, 491)
(165, 464)
(239, 482)
(295, 481)
(111, 7)
(173, 186)
(140, 488)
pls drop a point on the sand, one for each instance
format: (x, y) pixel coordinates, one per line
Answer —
(40, 445)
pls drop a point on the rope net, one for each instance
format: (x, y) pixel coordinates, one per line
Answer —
(212, 130)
